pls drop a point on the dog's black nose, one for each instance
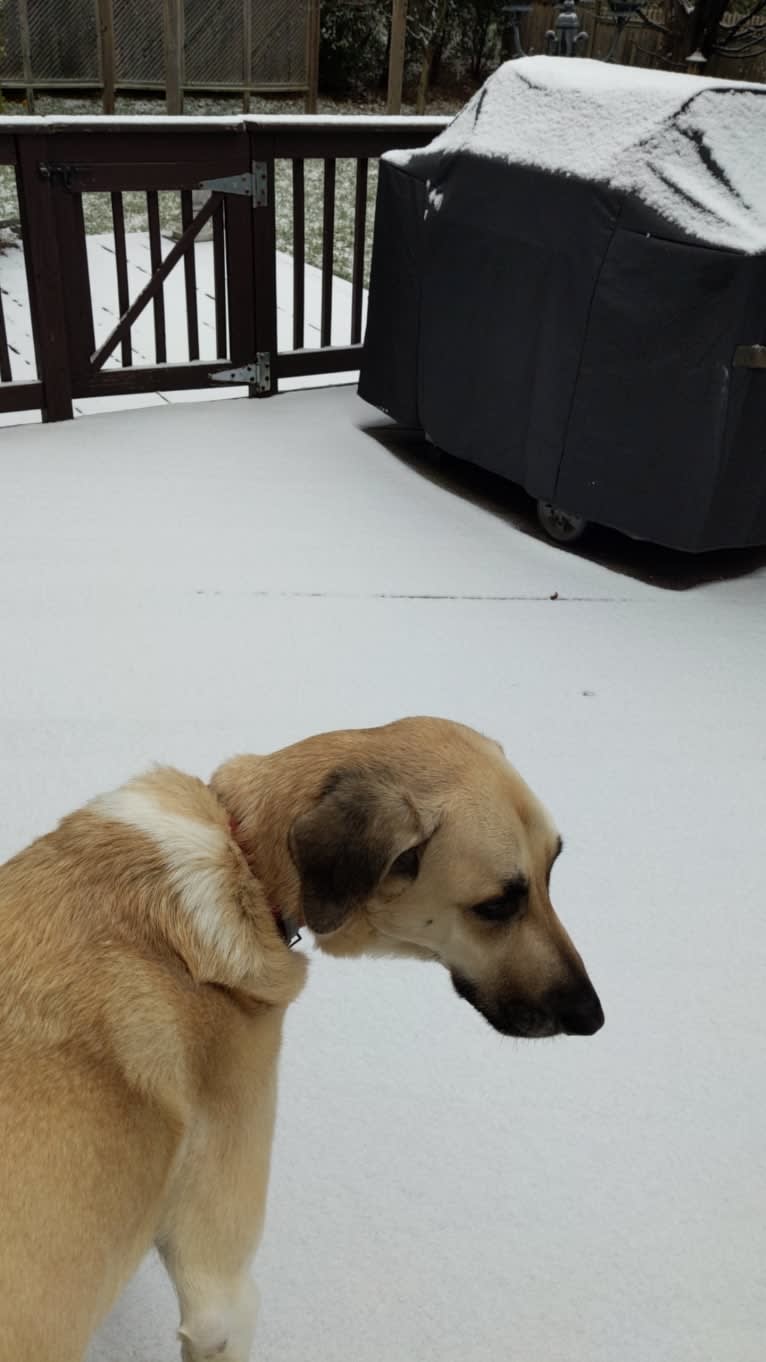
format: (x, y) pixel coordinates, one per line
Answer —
(578, 1010)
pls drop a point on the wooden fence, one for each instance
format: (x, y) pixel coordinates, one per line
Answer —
(234, 160)
(166, 46)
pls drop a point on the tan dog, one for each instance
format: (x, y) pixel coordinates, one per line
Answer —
(145, 977)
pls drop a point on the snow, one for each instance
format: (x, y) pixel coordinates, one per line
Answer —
(182, 583)
(690, 148)
(199, 123)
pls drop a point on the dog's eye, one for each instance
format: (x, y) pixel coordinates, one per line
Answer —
(495, 910)
(408, 864)
(507, 905)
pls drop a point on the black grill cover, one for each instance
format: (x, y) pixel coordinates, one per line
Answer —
(569, 288)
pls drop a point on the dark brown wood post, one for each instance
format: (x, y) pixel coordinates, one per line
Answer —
(247, 53)
(174, 56)
(265, 262)
(25, 43)
(45, 275)
(241, 226)
(106, 49)
(396, 56)
(328, 252)
(312, 55)
(72, 243)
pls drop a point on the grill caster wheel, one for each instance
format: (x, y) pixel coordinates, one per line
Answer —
(560, 525)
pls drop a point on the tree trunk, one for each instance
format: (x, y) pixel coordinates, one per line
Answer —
(479, 47)
(704, 25)
(436, 64)
(691, 30)
(429, 52)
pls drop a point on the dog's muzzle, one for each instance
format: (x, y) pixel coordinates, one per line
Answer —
(573, 1011)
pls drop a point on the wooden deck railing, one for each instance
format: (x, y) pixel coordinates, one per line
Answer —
(57, 165)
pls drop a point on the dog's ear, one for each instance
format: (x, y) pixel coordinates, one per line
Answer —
(346, 842)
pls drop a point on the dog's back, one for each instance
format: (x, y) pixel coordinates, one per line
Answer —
(105, 1054)
(77, 1191)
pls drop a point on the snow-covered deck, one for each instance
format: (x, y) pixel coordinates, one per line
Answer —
(177, 584)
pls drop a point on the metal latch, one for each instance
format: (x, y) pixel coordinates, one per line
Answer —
(258, 374)
(750, 357)
(252, 185)
(57, 173)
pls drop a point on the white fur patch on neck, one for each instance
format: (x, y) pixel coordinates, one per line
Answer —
(195, 855)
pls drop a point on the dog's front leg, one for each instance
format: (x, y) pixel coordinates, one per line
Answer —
(208, 1250)
(218, 1320)
(214, 1224)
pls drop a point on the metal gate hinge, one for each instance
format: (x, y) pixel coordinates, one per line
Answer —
(257, 374)
(260, 184)
(750, 357)
(253, 184)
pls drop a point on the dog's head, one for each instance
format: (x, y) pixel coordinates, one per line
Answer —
(419, 838)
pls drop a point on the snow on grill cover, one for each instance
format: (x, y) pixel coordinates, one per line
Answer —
(569, 288)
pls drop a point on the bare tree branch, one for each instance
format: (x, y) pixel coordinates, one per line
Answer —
(660, 56)
(748, 49)
(758, 7)
(652, 23)
(739, 52)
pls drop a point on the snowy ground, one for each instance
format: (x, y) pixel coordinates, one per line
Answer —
(181, 583)
(106, 313)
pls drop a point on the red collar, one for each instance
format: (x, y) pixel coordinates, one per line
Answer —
(288, 929)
